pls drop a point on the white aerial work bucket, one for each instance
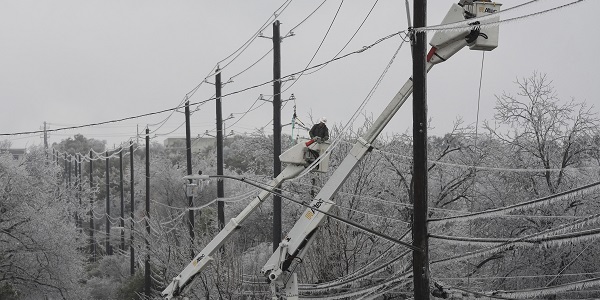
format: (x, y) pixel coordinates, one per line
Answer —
(297, 155)
(488, 36)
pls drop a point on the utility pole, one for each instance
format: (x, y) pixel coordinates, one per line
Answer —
(76, 185)
(122, 223)
(92, 241)
(70, 183)
(420, 233)
(70, 169)
(80, 189)
(66, 172)
(220, 183)
(276, 130)
(188, 147)
(147, 215)
(108, 249)
(46, 139)
(131, 213)
(69, 166)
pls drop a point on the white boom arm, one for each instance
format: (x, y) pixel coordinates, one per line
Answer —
(205, 256)
(295, 159)
(445, 44)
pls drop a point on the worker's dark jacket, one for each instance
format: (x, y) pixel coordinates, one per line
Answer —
(319, 130)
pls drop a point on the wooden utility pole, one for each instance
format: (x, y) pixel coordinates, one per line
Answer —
(92, 241)
(46, 142)
(76, 185)
(147, 281)
(276, 130)
(220, 185)
(46, 139)
(188, 148)
(132, 211)
(70, 169)
(66, 172)
(420, 234)
(122, 223)
(80, 188)
(69, 184)
(107, 171)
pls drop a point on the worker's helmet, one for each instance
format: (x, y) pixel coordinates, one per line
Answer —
(323, 120)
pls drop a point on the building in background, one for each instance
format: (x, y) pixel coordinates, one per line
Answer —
(198, 144)
(17, 153)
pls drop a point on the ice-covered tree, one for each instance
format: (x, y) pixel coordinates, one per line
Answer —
(39, 243)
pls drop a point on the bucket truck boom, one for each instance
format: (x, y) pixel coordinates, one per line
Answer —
(296, 162)
(279, 269)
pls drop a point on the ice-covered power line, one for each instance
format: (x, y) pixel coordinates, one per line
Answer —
(517, 276)
(344, 220)
(99, 216)
(97, 155)
(365, 291)
(349, 279)
(462, 25)
(452, 212)
(546, 291)
(232, 199)
(480, 167)
(548, 233)
(541, 241)
(570, 194)
(354, 209)
(97, 123)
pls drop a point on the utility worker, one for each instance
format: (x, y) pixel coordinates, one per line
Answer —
(319, 132)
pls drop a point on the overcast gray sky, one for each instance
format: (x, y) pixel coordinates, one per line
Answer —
(77, 62)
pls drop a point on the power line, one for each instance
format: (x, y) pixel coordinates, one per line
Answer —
(260, 59)
(97, 123)
(352, 37)
(483, 168)
(544, 234)
(241, 49)
(320, 45)
(335, 143)
(363, 49)
(465, 24)
(586, 189)
(349, 222)
(308, 17)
